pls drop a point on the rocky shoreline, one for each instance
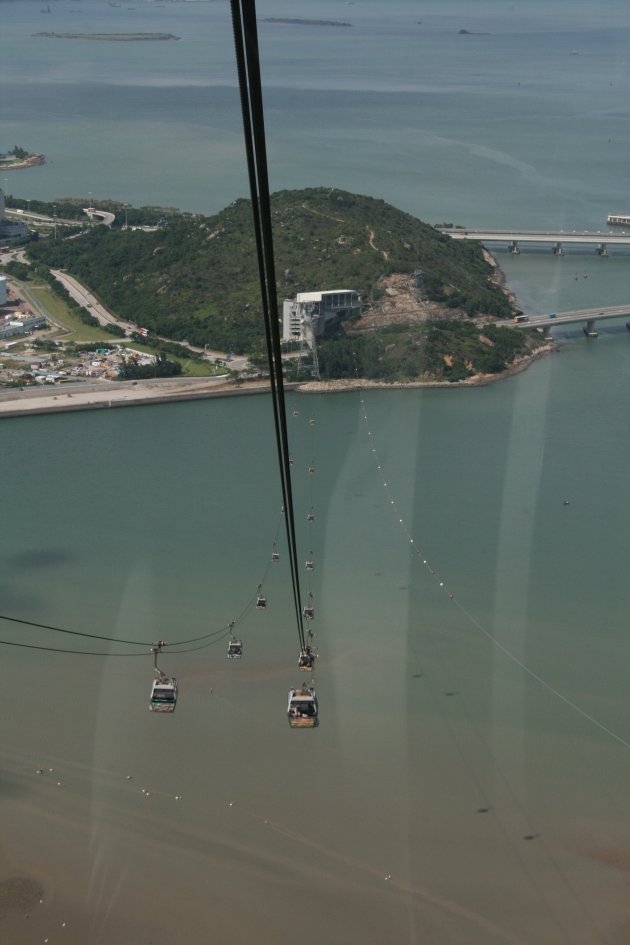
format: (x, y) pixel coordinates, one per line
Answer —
(31, 161)
(478, 380)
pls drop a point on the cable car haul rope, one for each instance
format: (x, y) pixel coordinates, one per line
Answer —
(302, 708)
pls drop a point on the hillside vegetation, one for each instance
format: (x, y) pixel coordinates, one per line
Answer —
(442, 350)
(197, 279)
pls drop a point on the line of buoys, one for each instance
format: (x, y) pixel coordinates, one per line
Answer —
(422, 557)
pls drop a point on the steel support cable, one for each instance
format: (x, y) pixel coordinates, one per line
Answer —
(203, 646)
(55, 649)
(74, 633)
(96, 636)
(238, 28)
(311, 477)
(248, 66)
(246, 44)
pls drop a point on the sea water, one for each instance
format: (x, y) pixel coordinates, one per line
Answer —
(468, 780)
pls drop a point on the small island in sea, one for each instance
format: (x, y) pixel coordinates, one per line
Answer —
(20, 158)
(298, 21)
(112, 37)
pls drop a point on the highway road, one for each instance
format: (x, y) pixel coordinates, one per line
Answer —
(88, 301)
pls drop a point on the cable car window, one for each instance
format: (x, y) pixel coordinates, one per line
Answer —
(417, 380)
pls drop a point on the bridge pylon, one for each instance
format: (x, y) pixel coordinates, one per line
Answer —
(589, 329)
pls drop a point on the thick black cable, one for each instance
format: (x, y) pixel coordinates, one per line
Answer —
(267, 287)
(204, 636)
(248, 67)
(74, 633)
(237, 24)
(267, 234)
(203, 646)
(54, 649)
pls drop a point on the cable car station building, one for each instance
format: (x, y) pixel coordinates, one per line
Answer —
(306, 317)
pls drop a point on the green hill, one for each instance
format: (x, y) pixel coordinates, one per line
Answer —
(197, 279)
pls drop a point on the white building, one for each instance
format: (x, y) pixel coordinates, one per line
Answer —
(305, 317)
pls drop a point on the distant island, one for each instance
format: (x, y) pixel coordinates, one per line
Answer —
(297, 21)
(20, 158)
(112, 37)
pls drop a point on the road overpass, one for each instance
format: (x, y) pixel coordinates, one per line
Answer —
(556, 239)
(101, 216)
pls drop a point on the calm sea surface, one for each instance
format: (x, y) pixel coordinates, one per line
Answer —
(468, 781)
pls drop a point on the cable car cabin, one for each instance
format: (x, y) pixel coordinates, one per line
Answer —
(308, 611)
(306, 660)
(234, 650)
(302, 709)
(261, 601)
(310, 565)
(163, 694)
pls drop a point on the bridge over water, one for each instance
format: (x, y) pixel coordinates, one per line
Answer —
(556, 239)
(590, 317)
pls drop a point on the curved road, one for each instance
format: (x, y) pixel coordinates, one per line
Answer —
(85, 298)
(88, 301)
